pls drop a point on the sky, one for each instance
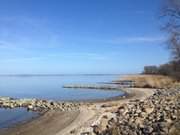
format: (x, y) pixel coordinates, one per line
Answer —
(80, 36)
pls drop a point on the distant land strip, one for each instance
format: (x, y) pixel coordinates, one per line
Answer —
(24, 75)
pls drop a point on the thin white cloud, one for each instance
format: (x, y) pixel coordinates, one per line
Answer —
(65, 56)
(142, 39)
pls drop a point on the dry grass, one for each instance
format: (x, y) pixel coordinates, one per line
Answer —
(150, 81)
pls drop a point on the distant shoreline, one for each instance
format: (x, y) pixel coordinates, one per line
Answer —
(29, 75)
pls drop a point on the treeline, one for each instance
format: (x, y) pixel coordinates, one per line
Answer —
(171, 15)
(171, 69)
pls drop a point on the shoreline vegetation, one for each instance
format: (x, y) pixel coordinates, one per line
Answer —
(149, 81)
(149, 108)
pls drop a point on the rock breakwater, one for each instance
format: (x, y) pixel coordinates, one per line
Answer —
(87, 86)
(37, 105)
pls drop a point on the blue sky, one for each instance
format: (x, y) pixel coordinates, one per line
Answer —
(80, 36)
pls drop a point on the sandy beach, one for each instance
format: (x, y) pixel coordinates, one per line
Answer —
(75, 122)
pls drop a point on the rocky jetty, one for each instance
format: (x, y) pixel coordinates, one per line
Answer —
(157, 115)
(93, 86)
(37, 105)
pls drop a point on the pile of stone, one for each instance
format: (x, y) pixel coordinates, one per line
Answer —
(37, 105)
(92, 86)
(157, 115)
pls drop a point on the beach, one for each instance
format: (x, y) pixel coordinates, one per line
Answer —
(102, 116)
(89, 67)
(57, 122)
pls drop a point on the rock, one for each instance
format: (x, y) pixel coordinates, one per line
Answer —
(85, 133)
(147, 130)
(37, 105)
(96, 129)
(149, 110)
(155, 115)
(73, 131)
(139, 121)
(106, 105)
(30, 107)
(105, 117)
(173, 117)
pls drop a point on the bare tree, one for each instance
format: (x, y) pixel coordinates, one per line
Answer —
(171, 19)
(171, 14)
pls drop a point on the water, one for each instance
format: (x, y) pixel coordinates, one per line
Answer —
(47, 87)
(50, 87)
(10, 117)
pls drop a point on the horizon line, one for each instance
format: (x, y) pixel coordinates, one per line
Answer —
(75, 74)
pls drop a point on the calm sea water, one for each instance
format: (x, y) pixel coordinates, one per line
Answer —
(10, 117)
(47, 87)
(50, 87)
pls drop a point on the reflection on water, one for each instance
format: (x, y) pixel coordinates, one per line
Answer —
(10, 117)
